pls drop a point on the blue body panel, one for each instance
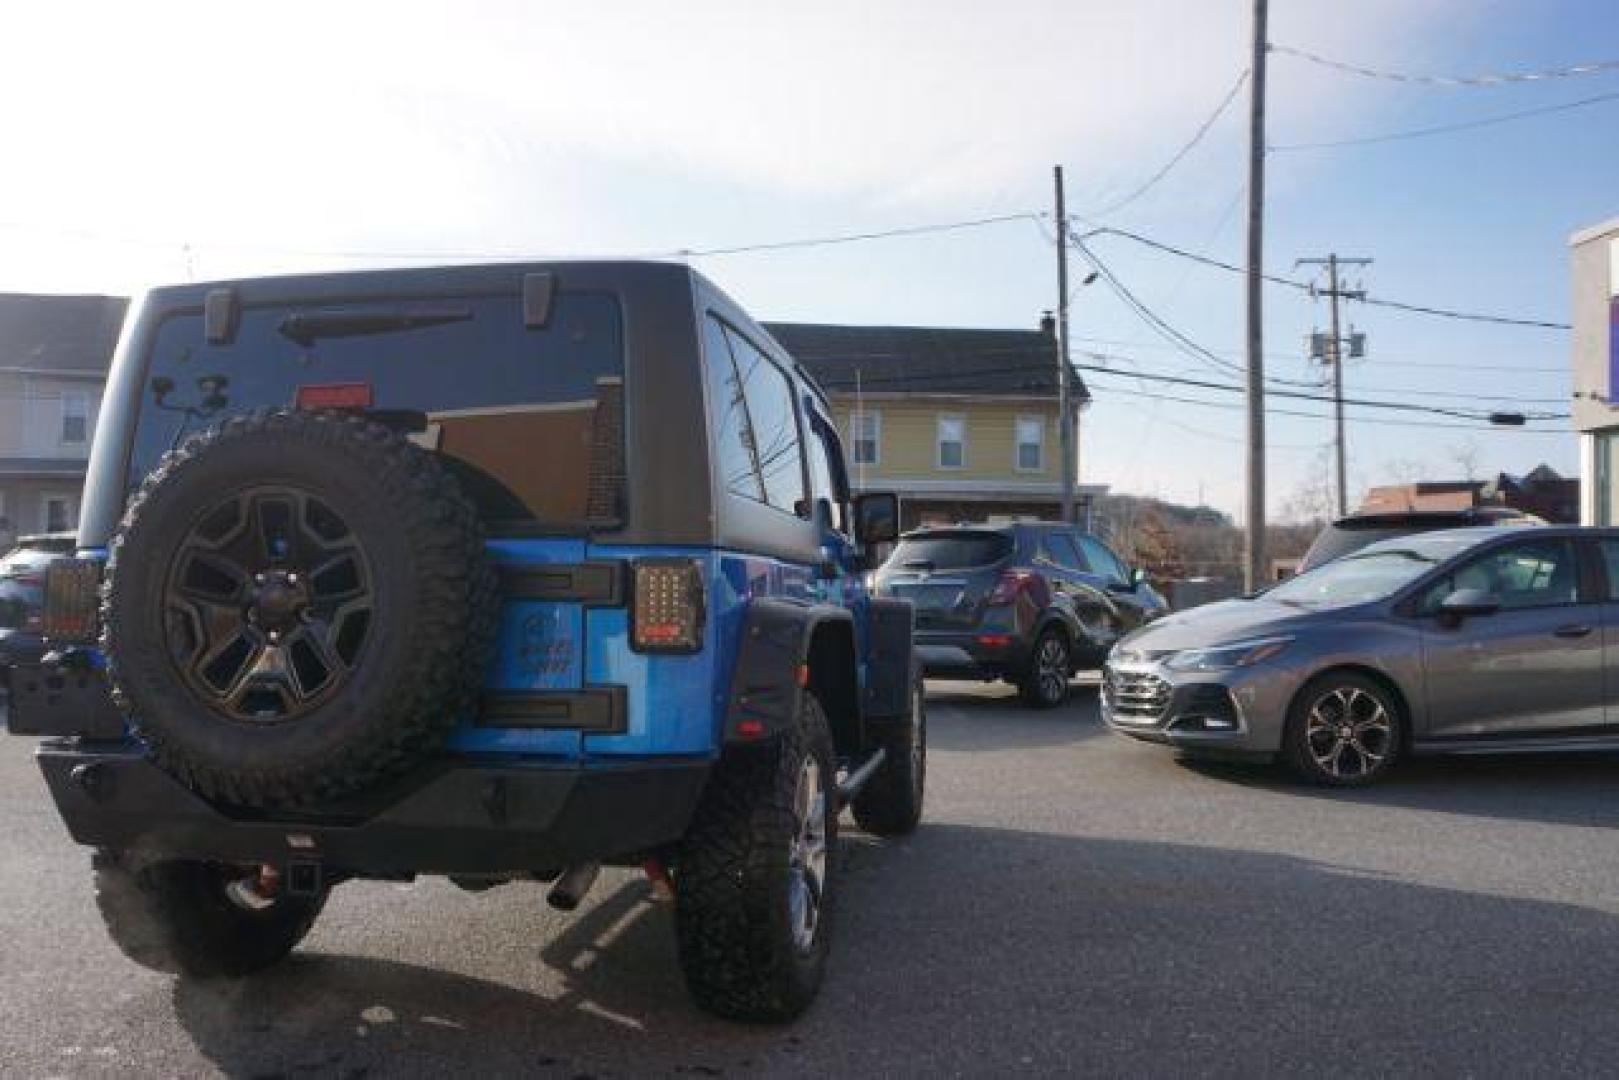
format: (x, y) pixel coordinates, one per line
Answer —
(675, 702)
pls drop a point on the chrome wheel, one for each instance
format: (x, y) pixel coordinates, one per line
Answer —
(806, 860)
(1051, 668)
(1348, 733)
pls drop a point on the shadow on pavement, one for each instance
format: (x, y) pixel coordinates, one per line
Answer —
(1561, 789)
(976, 717)
(981, 951)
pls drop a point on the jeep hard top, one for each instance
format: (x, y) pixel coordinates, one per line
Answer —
(499, 572)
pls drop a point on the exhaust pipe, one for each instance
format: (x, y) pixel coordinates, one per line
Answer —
(570, 888)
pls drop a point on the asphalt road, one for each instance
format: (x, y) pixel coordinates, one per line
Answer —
(1073, 902)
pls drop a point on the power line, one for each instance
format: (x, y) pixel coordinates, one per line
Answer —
(1304, 286)
(1276, 354)
(1451, 81)
(1444, 129)
(509, 254)
(1365, 403)
(1175, 159)
(935, 379)
(1378, 420)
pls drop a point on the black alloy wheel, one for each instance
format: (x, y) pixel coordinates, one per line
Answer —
(268, 604)
(1045, 685)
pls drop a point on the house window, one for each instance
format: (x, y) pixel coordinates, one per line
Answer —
(865, 437)
(1031, 443)
(952, 442)
(58, 513)
(75, 417)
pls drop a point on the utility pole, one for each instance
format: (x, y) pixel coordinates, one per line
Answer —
(1332, 351)
(1255, 554)
(1065, 427)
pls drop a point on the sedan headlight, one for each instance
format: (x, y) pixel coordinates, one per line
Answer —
(1225, 657)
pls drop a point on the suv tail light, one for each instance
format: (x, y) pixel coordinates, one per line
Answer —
(1010, 584)
(667, 615)
(72, 600)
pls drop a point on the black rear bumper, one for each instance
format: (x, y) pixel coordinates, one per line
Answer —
(471, 816)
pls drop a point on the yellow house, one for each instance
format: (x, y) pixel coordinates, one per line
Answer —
(962, 423)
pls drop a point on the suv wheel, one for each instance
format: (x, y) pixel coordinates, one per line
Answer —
(754, 882)
(196, 918)
(891, 802)
(1045, 684)
(1343, 730)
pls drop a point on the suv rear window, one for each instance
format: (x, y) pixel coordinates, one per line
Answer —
(952, 551)
(530, 419)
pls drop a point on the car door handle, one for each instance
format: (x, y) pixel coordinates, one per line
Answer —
(1571, 631)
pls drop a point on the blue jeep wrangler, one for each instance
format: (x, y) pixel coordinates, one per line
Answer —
(501, 573)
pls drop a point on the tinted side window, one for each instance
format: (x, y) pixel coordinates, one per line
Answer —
(1538, 573)
(821, 485)
(1102, 558)
(1060, 548)
(733, 435)
(1610, 558)
(774, 422)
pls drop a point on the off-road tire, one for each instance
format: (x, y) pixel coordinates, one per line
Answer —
(732, 902)
(175, 917)
(1296, 749)
(891, 802)
(436, 603)
(1035, 686)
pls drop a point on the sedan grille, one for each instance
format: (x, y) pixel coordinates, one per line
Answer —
(1134, 693)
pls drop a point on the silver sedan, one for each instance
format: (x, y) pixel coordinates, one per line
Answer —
(1465, 641)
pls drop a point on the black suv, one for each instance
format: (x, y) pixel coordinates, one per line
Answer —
(1350, 534)
(1029, 603)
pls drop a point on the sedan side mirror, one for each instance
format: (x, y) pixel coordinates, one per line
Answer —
(1468, 604)
(876, 517)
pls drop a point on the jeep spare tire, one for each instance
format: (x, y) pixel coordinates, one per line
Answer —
(297, 606)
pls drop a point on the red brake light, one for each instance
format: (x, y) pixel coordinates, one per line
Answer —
(668, 611)
(335, 396)
(1010, 584)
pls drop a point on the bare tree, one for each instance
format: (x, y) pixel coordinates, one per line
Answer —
(1465, 457)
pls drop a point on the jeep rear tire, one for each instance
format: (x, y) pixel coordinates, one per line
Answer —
(755, 878)
(297, 605)
(891, 802)
(193, 918)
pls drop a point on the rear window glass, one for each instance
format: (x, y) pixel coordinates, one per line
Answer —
(952, 551)
(1335, 541)
(530, 419)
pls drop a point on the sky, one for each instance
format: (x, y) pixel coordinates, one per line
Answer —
(165, 141)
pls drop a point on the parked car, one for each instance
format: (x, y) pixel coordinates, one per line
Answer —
(502, 573)
(1356, 531)
(1030, 603)
(22, 594)
(1488, 639)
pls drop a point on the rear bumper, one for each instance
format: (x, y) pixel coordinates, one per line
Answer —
(949, 654)
(471, 816)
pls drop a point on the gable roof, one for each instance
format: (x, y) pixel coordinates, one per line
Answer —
(59, 333)
(897, 359)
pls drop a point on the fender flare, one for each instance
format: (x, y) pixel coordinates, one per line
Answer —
(773, 670)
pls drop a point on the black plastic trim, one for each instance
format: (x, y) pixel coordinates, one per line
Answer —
(600, 710)
(473, 816)
(593, 584)
(50, 699)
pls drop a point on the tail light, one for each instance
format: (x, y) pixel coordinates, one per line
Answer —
(1010, 584)
(72, 600)
(667, 615)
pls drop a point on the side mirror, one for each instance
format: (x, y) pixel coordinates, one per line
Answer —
(1138, 577)
(876, 518)
(1468, 604)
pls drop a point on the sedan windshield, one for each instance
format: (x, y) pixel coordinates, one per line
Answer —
(1374, 572)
